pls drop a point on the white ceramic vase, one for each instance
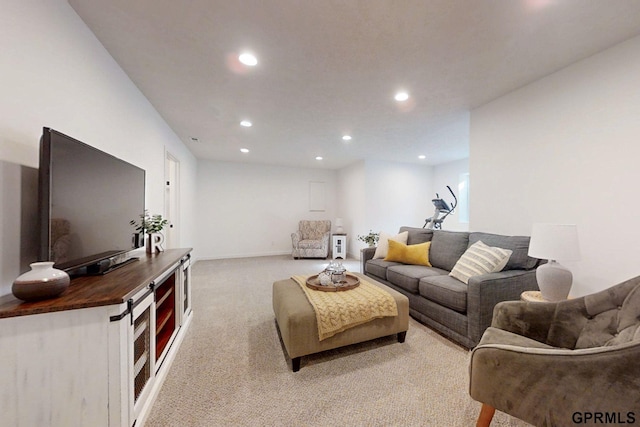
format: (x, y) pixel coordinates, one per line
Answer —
(41, 282)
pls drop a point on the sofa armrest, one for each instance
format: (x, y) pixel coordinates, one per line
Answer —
(326, 237)
(295, 238)
(554, 323)
(365, 255)
(529, 319)
(487, 290)
(549, 386)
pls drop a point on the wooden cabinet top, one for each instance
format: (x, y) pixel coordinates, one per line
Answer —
(115, 287)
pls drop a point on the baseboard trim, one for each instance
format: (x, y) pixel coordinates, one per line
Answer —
(250, 255)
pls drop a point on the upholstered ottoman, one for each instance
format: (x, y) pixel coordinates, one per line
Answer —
(298, 326)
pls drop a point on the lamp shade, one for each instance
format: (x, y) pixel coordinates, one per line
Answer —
(339, 224)
(554, 242)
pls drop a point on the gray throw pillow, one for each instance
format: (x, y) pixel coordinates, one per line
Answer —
(447, 247)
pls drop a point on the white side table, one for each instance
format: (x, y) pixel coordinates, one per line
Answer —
(339, 247)
(532, 296)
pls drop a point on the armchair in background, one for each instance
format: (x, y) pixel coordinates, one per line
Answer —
(562, 363)
(311, 240)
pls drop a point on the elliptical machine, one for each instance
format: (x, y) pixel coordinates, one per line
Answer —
(442, 208)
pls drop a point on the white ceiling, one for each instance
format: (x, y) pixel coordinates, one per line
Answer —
(330, 67)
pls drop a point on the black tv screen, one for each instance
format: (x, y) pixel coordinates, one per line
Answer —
(87, 199)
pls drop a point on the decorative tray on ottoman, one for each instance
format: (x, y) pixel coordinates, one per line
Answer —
(350, 282)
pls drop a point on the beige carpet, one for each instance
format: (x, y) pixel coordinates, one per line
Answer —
(232, 370)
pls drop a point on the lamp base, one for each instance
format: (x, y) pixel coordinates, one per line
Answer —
(554, 281)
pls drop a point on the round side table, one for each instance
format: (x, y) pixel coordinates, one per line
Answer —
(532, 296)
(535, 296)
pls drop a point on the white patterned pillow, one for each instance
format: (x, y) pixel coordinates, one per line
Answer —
(480, 259)
(383, 243)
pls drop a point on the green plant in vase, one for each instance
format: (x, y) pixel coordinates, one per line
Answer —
(370, 239)
(153, 226)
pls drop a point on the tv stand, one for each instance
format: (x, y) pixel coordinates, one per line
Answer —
(109, 340)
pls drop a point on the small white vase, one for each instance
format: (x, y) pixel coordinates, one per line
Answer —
(41, 282)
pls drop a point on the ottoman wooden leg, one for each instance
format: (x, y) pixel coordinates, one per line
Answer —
(402, 336)
(295, 364)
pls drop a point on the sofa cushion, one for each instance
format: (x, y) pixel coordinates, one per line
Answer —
(378, 267)
(417, 235)
(519, 260)
(480, 259)
(408, 276)
(310, 244)
(444, 290)
(383, 242)
(409, 254)
(447, 247)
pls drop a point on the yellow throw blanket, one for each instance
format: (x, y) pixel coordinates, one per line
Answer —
(337, 311)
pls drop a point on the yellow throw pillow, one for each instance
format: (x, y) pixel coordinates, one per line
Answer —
(409, 254)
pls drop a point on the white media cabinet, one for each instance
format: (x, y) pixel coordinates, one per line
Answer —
(96, 355)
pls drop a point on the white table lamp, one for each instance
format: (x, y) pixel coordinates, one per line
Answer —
(554, 242)
(339, 224)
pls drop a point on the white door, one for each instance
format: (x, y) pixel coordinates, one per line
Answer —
(172, 201)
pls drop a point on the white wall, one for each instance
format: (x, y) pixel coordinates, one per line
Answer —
(251, 210)
(383, 196)
(449, 174)
(397, 194)
(254, 209)
(565, 149)
(352, 205)
(55, 73)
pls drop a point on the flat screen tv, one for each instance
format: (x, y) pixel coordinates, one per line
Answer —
(87, 199)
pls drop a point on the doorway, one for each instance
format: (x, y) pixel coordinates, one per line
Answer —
(172, 200)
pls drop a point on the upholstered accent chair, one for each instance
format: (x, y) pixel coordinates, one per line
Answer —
(311, 240)
(558, 364)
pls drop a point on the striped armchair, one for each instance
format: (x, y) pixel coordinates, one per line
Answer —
(311, 240)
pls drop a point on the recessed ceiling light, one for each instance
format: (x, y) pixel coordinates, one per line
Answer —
(346, 138)
(248, 59)
(246, 123)
(422, 157)
(319, 158)
(401, 96)
(244, 150)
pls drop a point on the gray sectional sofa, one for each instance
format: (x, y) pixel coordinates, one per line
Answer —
(457, 310)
